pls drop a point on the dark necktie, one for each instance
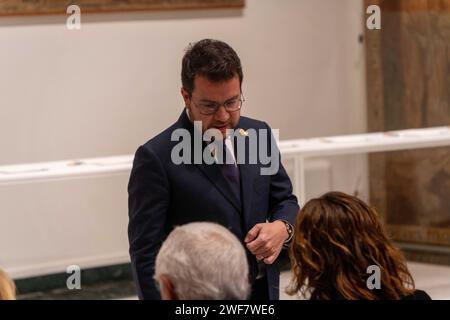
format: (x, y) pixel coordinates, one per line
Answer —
(231, 173)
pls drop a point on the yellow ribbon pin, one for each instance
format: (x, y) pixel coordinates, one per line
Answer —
(242, 132)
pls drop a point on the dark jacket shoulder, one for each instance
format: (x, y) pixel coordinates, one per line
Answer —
(249, 123)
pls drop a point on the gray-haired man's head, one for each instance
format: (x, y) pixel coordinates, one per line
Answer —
(202, 260)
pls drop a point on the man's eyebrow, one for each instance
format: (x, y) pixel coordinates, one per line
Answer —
(233, 98)
(212, 101)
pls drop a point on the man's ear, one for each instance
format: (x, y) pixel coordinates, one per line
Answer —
(167, 288)
(186, 97)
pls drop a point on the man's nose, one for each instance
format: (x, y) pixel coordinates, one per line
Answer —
(222, 114)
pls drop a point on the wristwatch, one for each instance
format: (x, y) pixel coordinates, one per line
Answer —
(290, 230)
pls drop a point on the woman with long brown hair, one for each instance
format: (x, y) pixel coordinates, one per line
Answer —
(337, 238)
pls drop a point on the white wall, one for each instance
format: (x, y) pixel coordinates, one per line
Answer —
(109, 87)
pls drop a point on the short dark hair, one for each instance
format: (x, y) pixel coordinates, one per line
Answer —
(214, 59)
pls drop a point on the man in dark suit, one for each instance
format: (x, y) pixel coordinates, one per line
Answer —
(258, 208)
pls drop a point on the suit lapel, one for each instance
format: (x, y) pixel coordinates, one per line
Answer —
(213, 173)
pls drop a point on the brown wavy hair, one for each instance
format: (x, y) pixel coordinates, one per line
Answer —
(337, 237)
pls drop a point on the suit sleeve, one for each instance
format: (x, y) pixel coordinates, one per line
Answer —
(148, 201)
(282, 202)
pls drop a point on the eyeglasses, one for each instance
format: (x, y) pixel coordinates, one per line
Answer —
(210, 108)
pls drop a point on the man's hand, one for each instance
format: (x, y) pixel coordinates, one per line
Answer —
(265, 240)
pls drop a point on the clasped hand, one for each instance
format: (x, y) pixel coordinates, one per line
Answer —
(265, 240)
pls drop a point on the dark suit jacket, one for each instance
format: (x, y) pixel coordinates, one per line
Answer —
(163, 195)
